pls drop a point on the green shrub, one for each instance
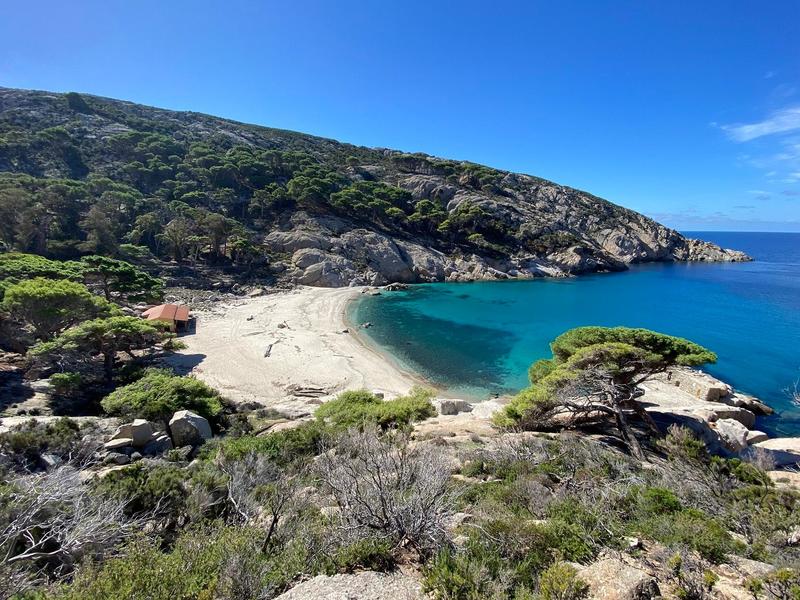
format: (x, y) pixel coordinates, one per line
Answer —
(656, 501)
(355, 408)
(191, 570)
(372, 554)
(144, 488)
(560, 581)
(159, 394)
(66, 384)
(282, 447)
(26, 443)
(691, 528)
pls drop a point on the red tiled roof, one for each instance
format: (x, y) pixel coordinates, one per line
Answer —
(167, 312)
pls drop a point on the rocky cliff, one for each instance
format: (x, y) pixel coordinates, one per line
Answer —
(195, 188)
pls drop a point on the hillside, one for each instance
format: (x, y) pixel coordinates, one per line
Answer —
(82, 174)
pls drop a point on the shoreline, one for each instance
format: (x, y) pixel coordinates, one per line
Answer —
(289, 351)
(372, 347)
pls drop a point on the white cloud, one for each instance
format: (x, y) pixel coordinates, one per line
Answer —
(781, 121)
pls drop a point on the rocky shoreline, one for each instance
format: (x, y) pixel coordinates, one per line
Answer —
(330, 252)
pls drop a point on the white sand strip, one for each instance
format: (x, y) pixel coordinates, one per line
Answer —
(244, 350)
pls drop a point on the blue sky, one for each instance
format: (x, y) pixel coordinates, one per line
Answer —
(688, 112)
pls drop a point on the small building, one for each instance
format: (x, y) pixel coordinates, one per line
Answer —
(176, 315)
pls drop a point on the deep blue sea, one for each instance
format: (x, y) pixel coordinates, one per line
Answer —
(478, 339)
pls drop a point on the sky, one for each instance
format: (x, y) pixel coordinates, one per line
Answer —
(687, 112)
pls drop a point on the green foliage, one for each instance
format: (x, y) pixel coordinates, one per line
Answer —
(355, 408)
(282, 447)
(25, 444)
(50, 306)
(560, 581)
(119, 279)
(690, 528)
(79, 345)
(661, 349)
(191, 570)
(16, 267)
(371, 200)
(159, 394)
(626, 355)
(146, 488)
(66, 384)
(370, 553)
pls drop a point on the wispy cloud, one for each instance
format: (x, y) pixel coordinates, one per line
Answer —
(781, 121)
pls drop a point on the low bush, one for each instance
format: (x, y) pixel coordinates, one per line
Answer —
(282, 447)
(370, 553)
(690, 528)
(355, 408)
(560, 581)
(145, 489)
(159, 394)
(25, 444)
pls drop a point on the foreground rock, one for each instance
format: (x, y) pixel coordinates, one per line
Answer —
(784, 452)
(189, 429)
(612, 579)
(358, 586)
(723, 418)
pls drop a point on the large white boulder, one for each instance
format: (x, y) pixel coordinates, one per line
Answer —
(733, 433)
(189, 429)
(160, 443)
(139, 431)
(783, 451)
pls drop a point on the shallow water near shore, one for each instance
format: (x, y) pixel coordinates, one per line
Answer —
(478, 339)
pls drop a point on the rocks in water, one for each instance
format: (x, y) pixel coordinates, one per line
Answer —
(395, 287)
(367, 585)
(188, 428)
(699, 250)
(613, 579)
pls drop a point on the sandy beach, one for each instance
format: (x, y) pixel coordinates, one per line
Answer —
(265, 349)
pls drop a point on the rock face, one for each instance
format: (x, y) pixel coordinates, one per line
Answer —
(612, 579)
(189, 429)
(358, 586)
(324, 255)
(721, 417)
(784, 451)
(521, 226)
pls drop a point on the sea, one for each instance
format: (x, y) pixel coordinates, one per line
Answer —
(477, 340)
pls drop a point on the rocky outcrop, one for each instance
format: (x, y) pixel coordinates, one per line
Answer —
(613, 579)
(723, 418)
(367, 585)
(784, 452)
(699, 250)
(518, 226)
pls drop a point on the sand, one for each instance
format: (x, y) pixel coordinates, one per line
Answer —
(304, 333)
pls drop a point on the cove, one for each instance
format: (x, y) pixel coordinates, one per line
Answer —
(478, 339)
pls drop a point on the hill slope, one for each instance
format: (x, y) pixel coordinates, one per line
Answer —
(80, 173)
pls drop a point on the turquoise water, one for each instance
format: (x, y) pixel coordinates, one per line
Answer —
(478, 339)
